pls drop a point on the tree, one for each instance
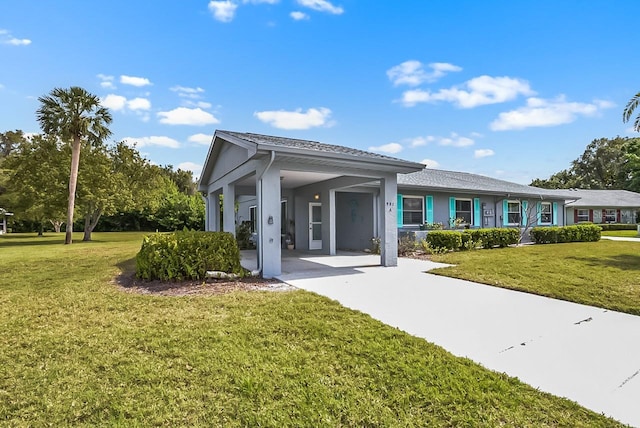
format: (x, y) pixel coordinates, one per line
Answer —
(629, 109)
(564, 179)
(10, 141)
(76, 117)
(35, 181)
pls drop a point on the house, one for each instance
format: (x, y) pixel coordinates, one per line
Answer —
(3, 220)
(603, 206)
(326, 197)
(470, 200)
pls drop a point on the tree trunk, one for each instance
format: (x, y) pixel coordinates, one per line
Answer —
(73, 181)
(41, 229)
(57, 224)
(90, 223)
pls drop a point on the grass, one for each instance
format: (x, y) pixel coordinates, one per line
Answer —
(622, 233)
(604, 274)
(75, 350)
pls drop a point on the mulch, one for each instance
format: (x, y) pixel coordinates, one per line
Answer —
(128, 283)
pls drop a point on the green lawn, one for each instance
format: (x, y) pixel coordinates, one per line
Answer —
(604, 274)
(623, 233)
(75, 350)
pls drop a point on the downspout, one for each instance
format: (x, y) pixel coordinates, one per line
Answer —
(260, 238)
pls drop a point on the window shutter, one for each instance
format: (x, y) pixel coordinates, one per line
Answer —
(590, 215)
(428, 201)
(505, 212)
(525, 214)
(452, 211)
(539, 212)
(575, 215)
(476, 212)
(555, 213)
(399, 219)
(618, 216)
(604, 216)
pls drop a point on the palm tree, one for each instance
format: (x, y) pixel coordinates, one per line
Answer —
(75, 116)
(628, 111)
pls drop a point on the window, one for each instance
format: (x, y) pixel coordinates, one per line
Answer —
(412, 210)
(464, 211)
(582, 215)
(513, 212)
(610, 216)
(546, 213)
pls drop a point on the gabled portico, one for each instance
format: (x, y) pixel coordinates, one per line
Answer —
(301, 184)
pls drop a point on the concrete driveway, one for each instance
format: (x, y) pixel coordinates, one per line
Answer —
(587, 354)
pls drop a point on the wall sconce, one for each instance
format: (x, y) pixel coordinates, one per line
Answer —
(316, 196)
(270, 219)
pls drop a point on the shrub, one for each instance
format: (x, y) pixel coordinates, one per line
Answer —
(444, 239)
(406, 245)
(618, 226)
(243, 235)
(187, 255)
(495, 237)
(576, 233)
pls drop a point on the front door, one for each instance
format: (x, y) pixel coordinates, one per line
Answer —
(315, 226)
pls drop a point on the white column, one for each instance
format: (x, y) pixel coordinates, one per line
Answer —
(269, 227)
(388, 225)
(213, 212)
(332, 222)
(229, 208)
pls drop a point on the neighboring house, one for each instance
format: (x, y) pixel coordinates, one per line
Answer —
(603, 206)
(327, 197)
(437, 196)
(3, 220)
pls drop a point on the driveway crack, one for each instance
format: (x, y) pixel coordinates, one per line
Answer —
(584, 320)
(628, 379)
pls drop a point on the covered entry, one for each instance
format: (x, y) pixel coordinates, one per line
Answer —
(318, 184)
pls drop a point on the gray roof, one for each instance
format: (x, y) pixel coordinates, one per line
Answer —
(474, 183)
(293, 143)
(605, 198)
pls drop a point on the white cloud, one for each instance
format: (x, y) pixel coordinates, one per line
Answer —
(412, 72)
(387, 148)
(114, 102)
(478, 91)
(196, 168)
(420, 141)
(223, 11)
(139, 104)
(1, 86)
(134, 81)
(187, 92)
(298, 16)
(106, 81)
(202, 139)
(430, 163)
(297, 119)
(321, 6)
(540, 113)
(7, 39)
(483, 153)
(153, 140)
(187, 116)
(261, 1)
(455, 140)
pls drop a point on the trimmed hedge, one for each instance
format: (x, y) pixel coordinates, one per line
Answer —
(575, 233)
(495, 237)
(618, 226)
(489, 238)
(187, 255)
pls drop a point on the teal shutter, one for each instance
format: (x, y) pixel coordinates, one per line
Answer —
(525, 213)
(539, 212)
(428, 200)
(476, 212)
(452, 211)
(505, 212)
(399, 220)
(555, 213)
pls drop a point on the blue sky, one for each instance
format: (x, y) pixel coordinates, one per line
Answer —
(510, 89)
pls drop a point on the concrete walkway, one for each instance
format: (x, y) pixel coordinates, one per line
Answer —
(621, 238)
(587, 354)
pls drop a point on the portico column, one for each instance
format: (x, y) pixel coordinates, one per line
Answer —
(229, 208)
(213, 212)
(387, 221)
(270, 251)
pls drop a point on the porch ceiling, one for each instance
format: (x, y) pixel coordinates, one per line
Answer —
(293, 179)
